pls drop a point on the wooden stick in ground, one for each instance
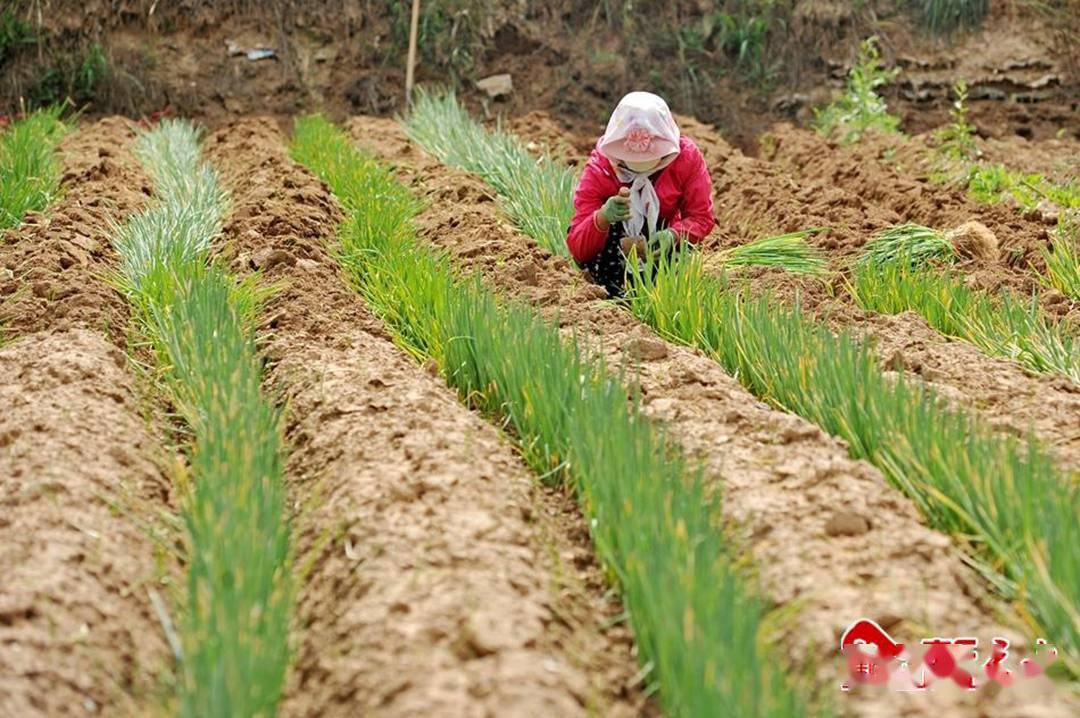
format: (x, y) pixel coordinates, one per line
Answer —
(411, 66)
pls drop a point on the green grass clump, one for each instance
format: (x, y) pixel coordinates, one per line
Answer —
(199, 321)
(1005, 326)
(74, 76)
(786, 251)
(943, 17)
(910, 244)
(956, 160)
(1063, 259)
(29, 170)
(860, 107)
(1002, 499)
(956, 156)
(697, 624)
(994, 183)
(14, 32)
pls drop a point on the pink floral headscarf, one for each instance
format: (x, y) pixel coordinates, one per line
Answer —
(641, 129)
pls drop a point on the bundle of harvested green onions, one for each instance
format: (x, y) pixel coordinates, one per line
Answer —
(786, 251)
(910, 244)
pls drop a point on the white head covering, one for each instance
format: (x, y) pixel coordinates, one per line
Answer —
(641, 129)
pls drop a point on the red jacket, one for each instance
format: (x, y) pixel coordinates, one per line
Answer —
(683, 187)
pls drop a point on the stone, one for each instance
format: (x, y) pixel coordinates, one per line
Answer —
(592, 291)
(496, 85)
(528, 274)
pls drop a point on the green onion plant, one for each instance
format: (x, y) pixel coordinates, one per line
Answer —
(200, 322)
(444, 128)
(786, 251)
(1002, 498)
(29, 169)
(1005, 326)
(910, 244)
(1063, 259)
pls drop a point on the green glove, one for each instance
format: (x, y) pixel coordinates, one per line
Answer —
(665, 238)
(616, 209)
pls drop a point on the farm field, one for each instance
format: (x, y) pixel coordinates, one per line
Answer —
(306, 408)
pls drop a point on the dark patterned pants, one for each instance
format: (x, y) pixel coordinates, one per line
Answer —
(608, 269)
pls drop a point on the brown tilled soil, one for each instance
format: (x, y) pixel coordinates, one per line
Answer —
(52, 267)
(809, 514)
(1058, 159)
(80, 483)
(77, 632)
(754, 198)
(863, 172)
(437, 579)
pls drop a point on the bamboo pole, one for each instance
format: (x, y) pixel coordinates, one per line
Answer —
(414, 25)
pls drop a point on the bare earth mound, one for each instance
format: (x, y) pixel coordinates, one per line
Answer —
(905, 189)
(76, 625)
(80, 482)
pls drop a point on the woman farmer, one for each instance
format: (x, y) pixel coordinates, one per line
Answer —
(644, 188)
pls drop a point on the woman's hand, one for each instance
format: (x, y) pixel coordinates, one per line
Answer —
(633, 245)
(667, 238)
(616, 209)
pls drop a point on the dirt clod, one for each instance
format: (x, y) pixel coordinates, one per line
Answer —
(846, 523)
(646, 349)
(270, 258)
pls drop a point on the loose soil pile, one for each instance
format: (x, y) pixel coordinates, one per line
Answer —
(808, 514)
(436, 578)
